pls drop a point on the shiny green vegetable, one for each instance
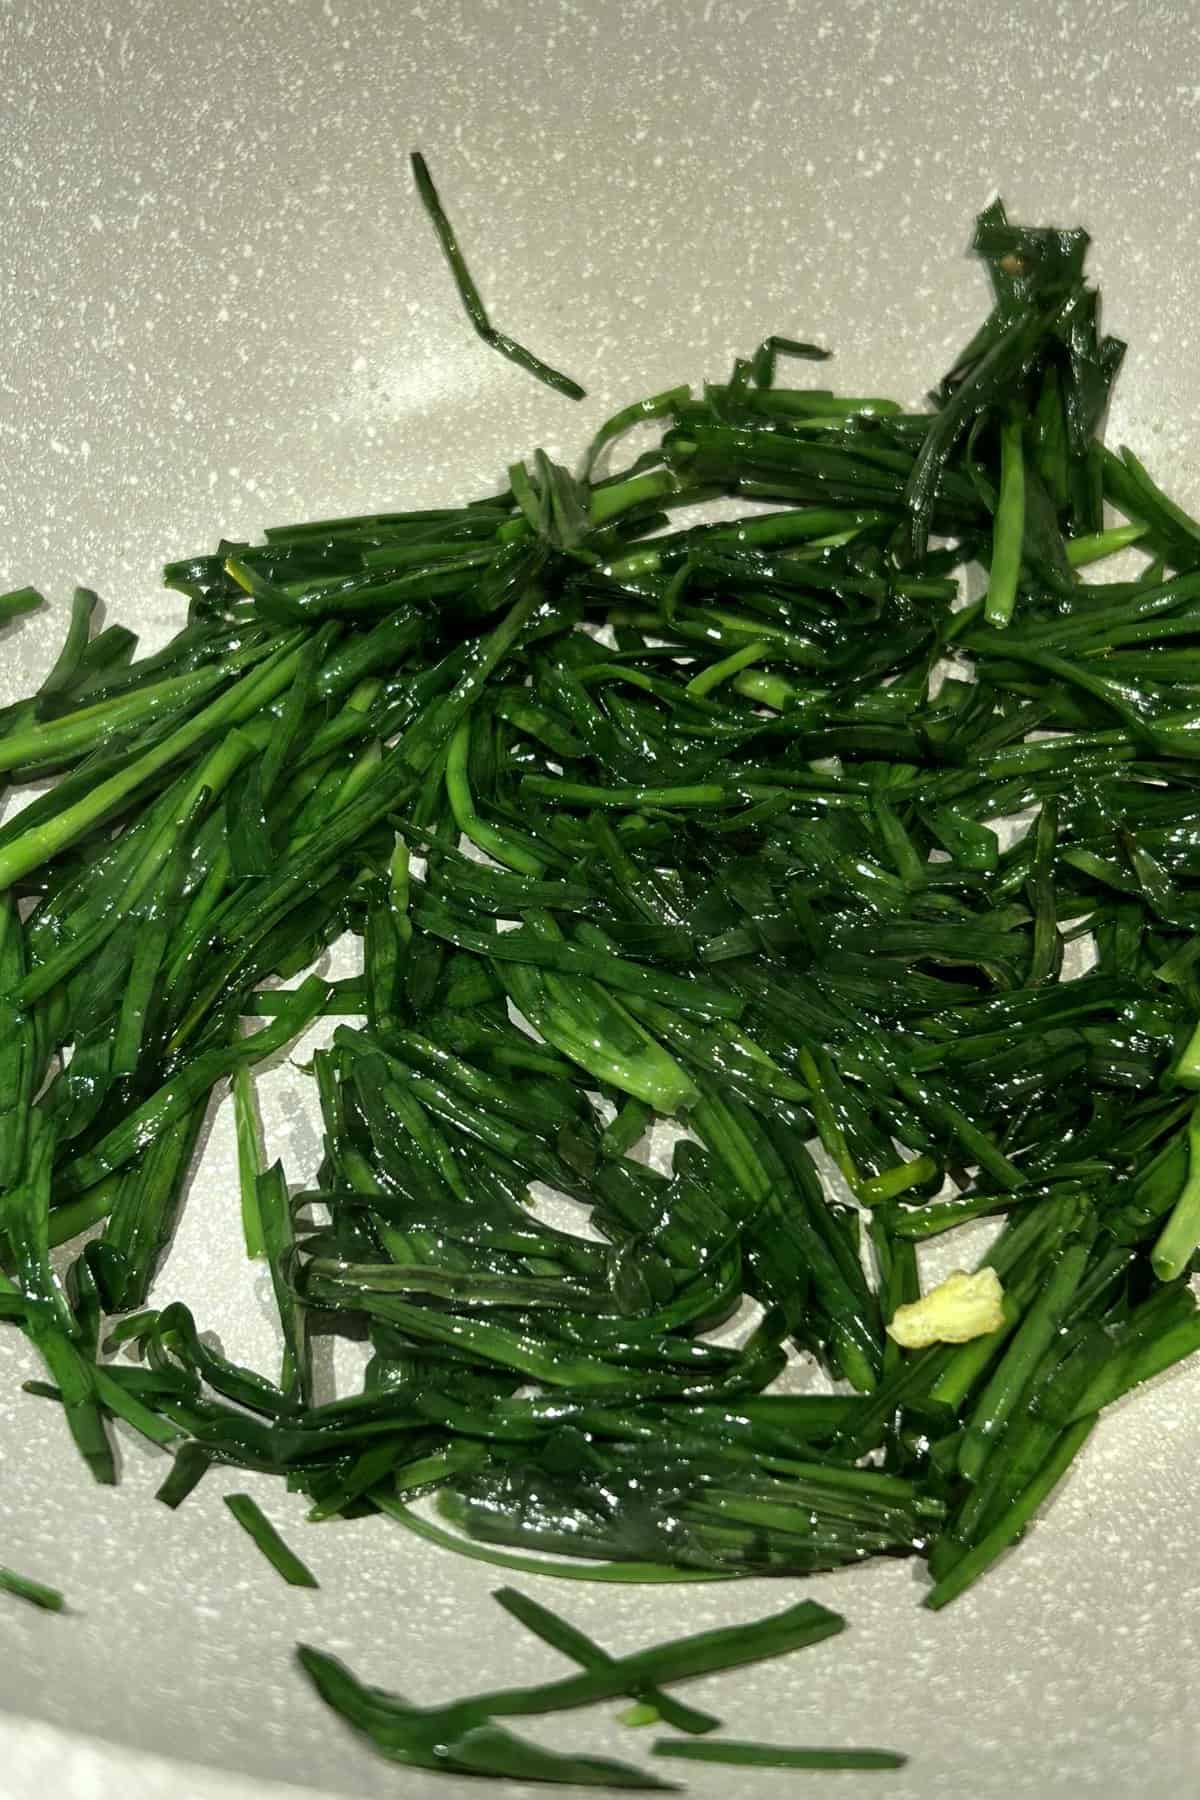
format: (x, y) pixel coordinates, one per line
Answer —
(255, 1523)
(469, 293)
(655, 836)
(47, 1598)
(463, 1736)
(776, 1756)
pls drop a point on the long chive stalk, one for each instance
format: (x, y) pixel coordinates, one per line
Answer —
(469, 293)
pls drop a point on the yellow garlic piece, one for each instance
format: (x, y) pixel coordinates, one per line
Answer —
(958, 1309)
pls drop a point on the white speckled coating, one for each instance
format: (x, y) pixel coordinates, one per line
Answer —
(223, 308)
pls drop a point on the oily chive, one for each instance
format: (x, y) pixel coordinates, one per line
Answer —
(177, 1098)
(464, 1733)
(68, 664)
(1028, 1344)
(916, 1223)
(1179, 1237)
(60, 739)
(273, 1210)
(972, 1565)
(723, 1647)
(27, 1225)
(396, 780)
(655, 406)
(75, 1380)
(1099, 544)
(706, 1652)
(469, 293)
(498, 844)
(900, 1179)
(712, 677)
(122, 1403)
(573, 1643)
(453, 1740)
(1009, 530)
(701, 794)
(18, 1047)
(159, 848)
(979, 1147)
(1137, 1362)
(143, 1211)
(1045, 949)
(155, 926)
(35, 1592)
(771, 348)
(18, 601)
(811, 404)
(650, 834)
(31, 847)
(189, 1468)
(249, 1157)
(255, 1523)
(531, 948)
(622, 1573)
(741, 1754)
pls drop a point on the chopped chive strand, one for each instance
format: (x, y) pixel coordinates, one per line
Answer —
(1009, 526)
(572, 1642)
(249, 1158)
(764, 361)
(461, 1738)
(469, 293)
(47, 1598)
(633, 819)
(637, 1573)
(17, 602)
(1180, 1236)
(982, 1554)
(255, 1523)
(465, 1734)
(746, 1755)
(717, 672)
(192, 1462)
(1099, 544)
(656, 406)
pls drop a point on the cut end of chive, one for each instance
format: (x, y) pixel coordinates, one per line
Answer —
(257, 1526)
(19, 601)
(741, 1754)
(469, 293)
(696, 831)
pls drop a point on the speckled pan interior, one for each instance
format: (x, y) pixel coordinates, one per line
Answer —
(222, 308)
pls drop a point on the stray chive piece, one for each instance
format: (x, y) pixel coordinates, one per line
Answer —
(1009, 530)
(693, 802)
(746, 1755)
(19, 601)
(192, 1462)
(655, 1705)
(37, 1594)
(1180, 1236)
(249, 1159)
(1014, 1520)
(254, 1521)
(463, 1735)
(764, 359)
(469, 293)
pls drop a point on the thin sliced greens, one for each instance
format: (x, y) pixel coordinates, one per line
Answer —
(701, 982)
